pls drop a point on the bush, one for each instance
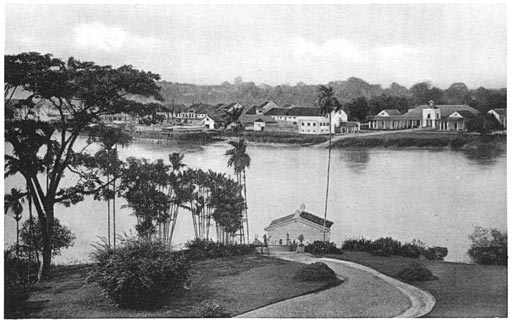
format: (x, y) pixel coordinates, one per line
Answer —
(19, 274)
(323, 247)
(317, 271)
(415, 273)
(412, 250)
(386, 246)
(437, 253)
(361, 244)
(205, 249)
(488, 247)
(140, 274)
(212, 310)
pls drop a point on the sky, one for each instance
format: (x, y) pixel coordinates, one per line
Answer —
(275, 44)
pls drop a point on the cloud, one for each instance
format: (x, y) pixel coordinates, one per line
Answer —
(395, 51)
(340, 47)
(97, 36)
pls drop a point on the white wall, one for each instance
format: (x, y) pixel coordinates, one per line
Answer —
(311, 232)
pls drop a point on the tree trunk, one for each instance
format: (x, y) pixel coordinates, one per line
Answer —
(17, 238)
(114, 212)
(108, 214)
(46, 223)
(247, 238)
(328, 174)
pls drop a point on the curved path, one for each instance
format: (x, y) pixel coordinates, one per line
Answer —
(364, 293)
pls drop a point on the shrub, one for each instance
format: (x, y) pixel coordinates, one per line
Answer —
(19, 274)
(412, 250)
(212, 310)
(437, 253)
(205, 249)
(317, 271)
(414, 273)
(361, 244)
(488, 247)
(140, 274)
(386, 246)
(322, 247)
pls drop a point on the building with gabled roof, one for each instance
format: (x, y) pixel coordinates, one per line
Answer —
(288, 228)
(500, 115)
(440, 117)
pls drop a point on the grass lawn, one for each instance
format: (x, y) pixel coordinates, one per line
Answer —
(462, 290)
(424, 139)
(238, 284)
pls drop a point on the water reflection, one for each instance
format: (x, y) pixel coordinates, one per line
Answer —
(356, 159)
(484, 156)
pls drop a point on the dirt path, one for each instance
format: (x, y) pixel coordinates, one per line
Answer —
(365, 293)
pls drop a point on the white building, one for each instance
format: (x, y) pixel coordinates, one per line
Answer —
(500, 115)
(287, 229)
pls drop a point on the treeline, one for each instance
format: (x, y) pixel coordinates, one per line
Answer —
(360, 97)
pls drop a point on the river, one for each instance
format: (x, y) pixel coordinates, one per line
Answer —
(436, 196)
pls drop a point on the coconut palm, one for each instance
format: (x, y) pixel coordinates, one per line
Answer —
(328, 104)
(13, 202)
(240, 160)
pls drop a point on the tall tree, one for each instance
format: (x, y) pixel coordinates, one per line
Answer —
(240, 160)
(328, 104)
(13, 202)
(110, 165)
(79, 92)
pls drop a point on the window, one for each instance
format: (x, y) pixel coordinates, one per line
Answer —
(314, 124)
(302, 123)
(309, 124)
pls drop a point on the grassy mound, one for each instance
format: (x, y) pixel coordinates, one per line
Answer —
(317, 271)
(415, 273)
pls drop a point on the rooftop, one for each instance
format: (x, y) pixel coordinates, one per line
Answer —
(306, 216)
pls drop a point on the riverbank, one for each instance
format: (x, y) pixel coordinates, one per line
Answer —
(424, 140)
(417, 139)
(462, 290)
(276, 137)
(237, 284)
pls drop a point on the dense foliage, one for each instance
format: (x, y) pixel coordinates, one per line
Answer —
(415, 273)
(32, 241)
(204, 249)
(317, 271)
(386, 247)
(77, 93)
(488, 247)
(19, 274)
(141, 274)
(322, 247)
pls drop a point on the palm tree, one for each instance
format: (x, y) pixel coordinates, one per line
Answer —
(240, 160)
(13, 201)
(327, 103)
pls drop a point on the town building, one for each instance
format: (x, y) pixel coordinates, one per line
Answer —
(500, 115)
(431, 116)
(285, 230)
